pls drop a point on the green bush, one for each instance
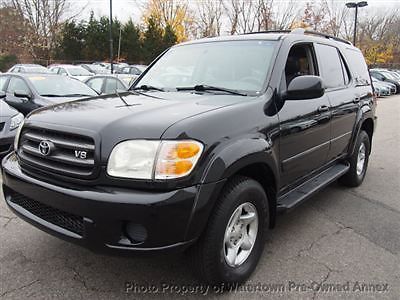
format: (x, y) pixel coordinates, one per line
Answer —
(7, 61)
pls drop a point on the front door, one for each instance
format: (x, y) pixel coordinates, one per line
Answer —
(304, 124)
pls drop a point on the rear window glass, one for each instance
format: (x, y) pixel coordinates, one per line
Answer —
(330, 66)
(358, 66)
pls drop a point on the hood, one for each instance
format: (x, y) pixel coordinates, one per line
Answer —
(134, 116)
(6, 111)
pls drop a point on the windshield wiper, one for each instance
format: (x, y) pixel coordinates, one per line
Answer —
(146, 87)
(204, 88)
(50, 95)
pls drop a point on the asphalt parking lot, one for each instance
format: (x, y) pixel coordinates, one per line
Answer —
(341, 243)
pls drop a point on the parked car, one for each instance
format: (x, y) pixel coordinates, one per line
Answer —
(10, 119)
(94, 68)
(386, 77)
(200, 161)
(106, 84)
(27, 92)
(142, 68)
(72, 71)
(28, 68)
(132, 70)
(381, 88)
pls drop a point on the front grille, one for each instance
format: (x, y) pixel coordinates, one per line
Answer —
(70, 155)
(52, 215)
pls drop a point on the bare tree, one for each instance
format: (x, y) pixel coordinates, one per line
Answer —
(285, 14)
(264, 16)
(43, 19)
(232, 11)
(209, 17)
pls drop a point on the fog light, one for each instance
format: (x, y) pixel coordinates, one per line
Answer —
(136, 232)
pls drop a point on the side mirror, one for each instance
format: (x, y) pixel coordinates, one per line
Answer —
(305, 87)
(2, 95)
(22, 94)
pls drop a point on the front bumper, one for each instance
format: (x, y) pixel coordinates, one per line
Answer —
(106, 219)
(6, 143)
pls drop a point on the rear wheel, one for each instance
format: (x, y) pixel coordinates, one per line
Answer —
(358, 162)
(229, 249)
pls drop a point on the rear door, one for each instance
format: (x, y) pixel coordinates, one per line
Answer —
(342, 94)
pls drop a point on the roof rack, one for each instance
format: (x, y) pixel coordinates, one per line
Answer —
(303, 31)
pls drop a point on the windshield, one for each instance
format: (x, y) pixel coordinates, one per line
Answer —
(78, 71)
(60, 86)
(236, 65)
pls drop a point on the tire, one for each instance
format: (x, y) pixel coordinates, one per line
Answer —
(209, 253)
(354, 177)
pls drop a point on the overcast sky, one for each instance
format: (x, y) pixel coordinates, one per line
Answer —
(125, 9)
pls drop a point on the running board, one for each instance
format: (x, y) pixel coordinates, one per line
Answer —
(310, 187)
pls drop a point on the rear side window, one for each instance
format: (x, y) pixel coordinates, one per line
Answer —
(96, 84)
(330, 66)
(358, 67)
(113, 85)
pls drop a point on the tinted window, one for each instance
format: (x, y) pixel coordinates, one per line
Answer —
(96, 84)
(62, 71)
(377, 76)
(345, 69)
(358, 67)
(330, 66)
(17, 84)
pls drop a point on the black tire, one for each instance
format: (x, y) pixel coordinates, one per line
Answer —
(208, 253)
(352, 178)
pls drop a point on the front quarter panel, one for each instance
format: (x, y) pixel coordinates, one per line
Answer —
(233, 136)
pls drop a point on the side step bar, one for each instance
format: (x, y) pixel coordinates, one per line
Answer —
(310, 187)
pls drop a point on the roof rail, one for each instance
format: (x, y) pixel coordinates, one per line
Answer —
(304, 31)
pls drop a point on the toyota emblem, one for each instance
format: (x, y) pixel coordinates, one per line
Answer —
(45, 147)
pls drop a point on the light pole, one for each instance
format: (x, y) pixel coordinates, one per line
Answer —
(119, 42)
(356, 5)
(111, 40)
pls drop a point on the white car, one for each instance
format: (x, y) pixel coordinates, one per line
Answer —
(72, 71)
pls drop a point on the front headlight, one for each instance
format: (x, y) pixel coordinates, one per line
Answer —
(16, 120)
(144, 159)
(17, 135)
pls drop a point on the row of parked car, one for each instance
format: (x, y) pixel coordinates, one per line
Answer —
(26, 87)
(385, 82)
(126, 73)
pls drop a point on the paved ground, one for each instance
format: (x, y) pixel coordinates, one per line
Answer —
(342, 238)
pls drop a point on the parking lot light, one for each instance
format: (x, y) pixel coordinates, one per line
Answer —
(356, 5)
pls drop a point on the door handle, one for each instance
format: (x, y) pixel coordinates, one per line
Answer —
(323, 108)
(356, 99)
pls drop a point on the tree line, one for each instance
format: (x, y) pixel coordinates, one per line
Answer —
(52, 30)
(89, 41)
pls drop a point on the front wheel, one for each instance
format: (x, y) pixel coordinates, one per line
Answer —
(230, 248)
(358, 162)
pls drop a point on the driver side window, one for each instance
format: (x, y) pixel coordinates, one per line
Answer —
(300, 61)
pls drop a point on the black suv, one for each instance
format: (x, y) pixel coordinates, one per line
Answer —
(213, 140)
